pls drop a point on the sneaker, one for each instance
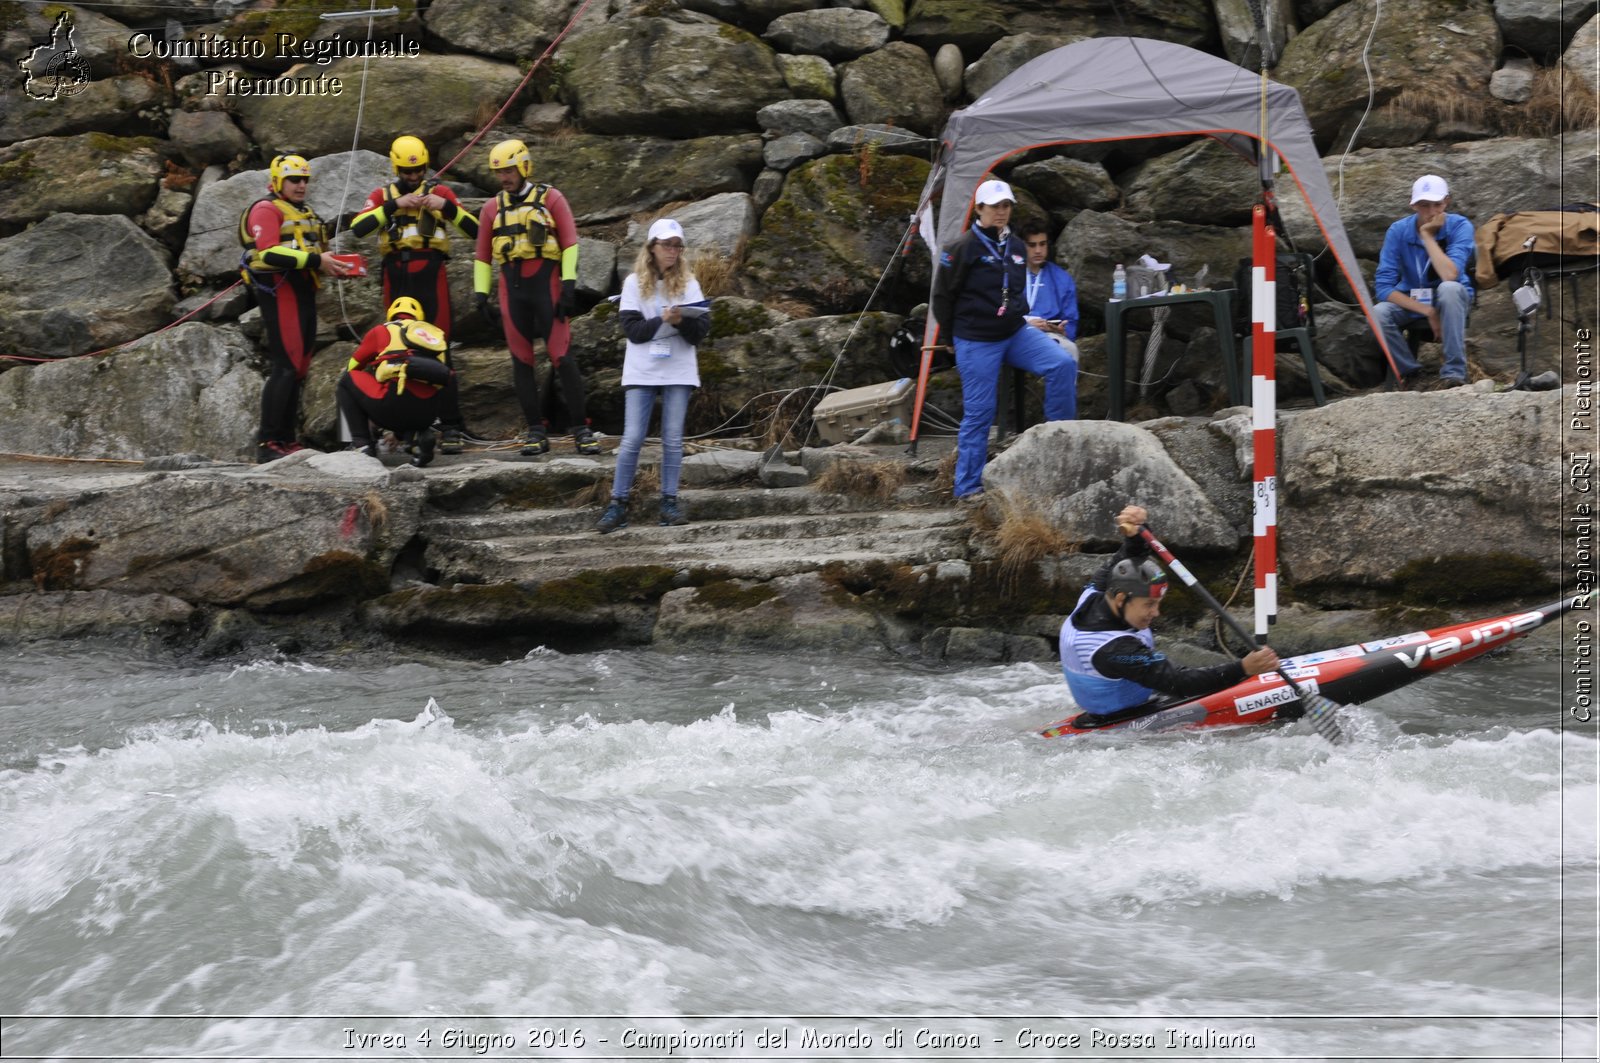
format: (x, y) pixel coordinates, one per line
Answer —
(671, 515)
(534, 441)
(1448, 382)
(450, 440)
(584, 440)
(615, 516)
(421, 448)
(1408, 382)
(273, 449)
(363, 446)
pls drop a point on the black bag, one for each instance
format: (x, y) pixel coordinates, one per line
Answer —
(1293, 291)
(905, 350)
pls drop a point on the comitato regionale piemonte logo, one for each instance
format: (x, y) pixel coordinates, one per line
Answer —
(55, 69)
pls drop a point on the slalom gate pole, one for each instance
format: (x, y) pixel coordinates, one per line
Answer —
(1264, 418)
(1319, 711)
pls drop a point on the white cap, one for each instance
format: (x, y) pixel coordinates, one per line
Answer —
(664, 229)
(1430, 187)
(992, 192)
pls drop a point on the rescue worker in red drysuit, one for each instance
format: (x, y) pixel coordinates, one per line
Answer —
(412, 219)
(398, 380)
(529, 233)
(283, 263)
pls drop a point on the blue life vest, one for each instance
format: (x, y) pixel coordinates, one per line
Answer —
(1092, 691)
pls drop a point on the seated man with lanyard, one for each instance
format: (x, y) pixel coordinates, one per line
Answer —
(1052, 293)
(1108, 652)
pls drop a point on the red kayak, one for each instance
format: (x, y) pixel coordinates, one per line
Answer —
(1349, 675)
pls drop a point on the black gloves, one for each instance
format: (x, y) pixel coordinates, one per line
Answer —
(568, 302)
(481, 301)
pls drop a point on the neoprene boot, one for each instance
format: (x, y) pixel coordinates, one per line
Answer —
(584, 440)
(534, 441)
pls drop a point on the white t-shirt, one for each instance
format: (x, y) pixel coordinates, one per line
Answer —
(668, 358)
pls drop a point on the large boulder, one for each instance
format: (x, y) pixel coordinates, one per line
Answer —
(272, 542)
(801, 611)
(1582, 56)
(508, 31)
(1007, 54)
(683, 76)
(192, 389)
(1539, 28)
(1379, 482)
(833, 33)
(1063, 183)
(893, 85)
(91, 173)
(100, 42)
(835, 228)
(322, 124)
(1486, 178)
(605, 178)
(130, 104)
(1203, 183)
(714, 228)
(1241, 38)
(974, 27)
(1452, 46)
(59, 298)
(1079, 473)
(340, 185)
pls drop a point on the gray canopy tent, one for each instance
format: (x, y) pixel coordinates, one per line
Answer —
(1126, 88)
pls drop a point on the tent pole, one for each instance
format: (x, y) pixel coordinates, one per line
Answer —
(1264, 419)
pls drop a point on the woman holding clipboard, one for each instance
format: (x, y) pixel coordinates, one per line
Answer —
(664, 315)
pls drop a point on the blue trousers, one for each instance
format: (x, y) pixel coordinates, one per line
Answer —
(980, 362)
(638, 403)
(1453, 301)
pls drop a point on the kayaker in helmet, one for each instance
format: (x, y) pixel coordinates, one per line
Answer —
(1108, 652)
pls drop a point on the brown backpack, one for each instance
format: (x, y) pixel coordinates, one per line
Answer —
(1507, 243)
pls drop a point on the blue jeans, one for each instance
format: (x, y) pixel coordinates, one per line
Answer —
(979, 362)
(638, 403)
(1454, 302)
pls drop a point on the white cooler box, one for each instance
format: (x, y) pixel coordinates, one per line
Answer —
(844, 414)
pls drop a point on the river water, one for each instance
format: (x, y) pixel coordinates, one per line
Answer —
(626, 855)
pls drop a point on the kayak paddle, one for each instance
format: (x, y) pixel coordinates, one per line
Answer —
(1321, 712)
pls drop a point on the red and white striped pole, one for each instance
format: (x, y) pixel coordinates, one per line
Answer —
(1264, 401)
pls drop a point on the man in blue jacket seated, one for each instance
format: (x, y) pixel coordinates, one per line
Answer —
(1422, 274)
(1108, 652)
(1052, 293)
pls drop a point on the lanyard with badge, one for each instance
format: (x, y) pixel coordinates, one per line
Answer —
(1005, 270)
(661, 346)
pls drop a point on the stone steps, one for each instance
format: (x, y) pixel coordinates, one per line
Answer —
(750, 534)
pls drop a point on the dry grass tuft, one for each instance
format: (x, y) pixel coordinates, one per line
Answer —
(790, 308)
(1561, 103)
(944, 480)
(716, 272)
(646, 482)
(376, 509)
(862, 479)
(1441, 104)
(1024, 536)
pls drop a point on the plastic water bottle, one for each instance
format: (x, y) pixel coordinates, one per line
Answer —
(1119, 284)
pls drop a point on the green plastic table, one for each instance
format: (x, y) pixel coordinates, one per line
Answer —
(1221, 302)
